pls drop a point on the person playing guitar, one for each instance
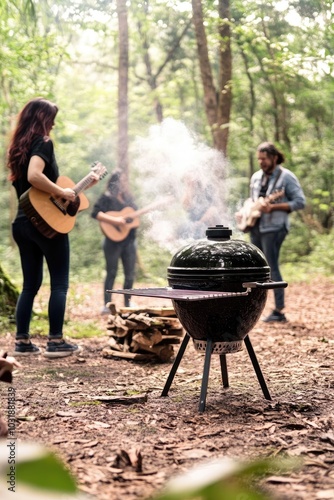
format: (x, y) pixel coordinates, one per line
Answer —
(271, 223)
(32, 165)
(115, 199)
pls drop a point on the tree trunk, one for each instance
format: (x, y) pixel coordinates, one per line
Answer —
(252, 107)
(152, 77)
(217, 101)
(123, 69)
(210, 93)
(8, 295)
(225, 76)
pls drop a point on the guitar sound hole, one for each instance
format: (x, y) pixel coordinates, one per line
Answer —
(58, 204)
(73, 207)
(128, 220)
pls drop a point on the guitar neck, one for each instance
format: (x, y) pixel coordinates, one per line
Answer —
(151, 206)
(83, 184)
(138, 213)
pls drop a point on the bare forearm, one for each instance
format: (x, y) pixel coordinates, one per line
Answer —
(110, 219)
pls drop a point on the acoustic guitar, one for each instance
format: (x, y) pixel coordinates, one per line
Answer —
(119, 233)
(251, 210)
(53, 215)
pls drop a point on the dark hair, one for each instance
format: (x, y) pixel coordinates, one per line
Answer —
(113, 183)
(271, 150)
(116, 187)
(35, 119)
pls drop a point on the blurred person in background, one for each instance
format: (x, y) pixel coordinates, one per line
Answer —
(272, 217)
(119, 241)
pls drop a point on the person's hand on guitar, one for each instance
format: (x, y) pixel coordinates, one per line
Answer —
(68, 194)
(98, 170)
(114, 220)
(117, 221)
(265, 206)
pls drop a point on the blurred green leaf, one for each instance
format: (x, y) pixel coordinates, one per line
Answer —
(225, 479)
(46, 472)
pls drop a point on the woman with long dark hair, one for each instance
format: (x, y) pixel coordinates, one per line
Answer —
(31, 162)
(115, 199)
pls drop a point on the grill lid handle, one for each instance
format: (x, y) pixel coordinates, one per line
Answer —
(218, 232)
(267, 284)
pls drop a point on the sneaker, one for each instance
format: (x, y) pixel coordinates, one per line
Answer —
(275, 316)
(24, 349)
(105, 310)
(60, 349)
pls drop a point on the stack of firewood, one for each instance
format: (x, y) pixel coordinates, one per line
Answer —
(142, 333)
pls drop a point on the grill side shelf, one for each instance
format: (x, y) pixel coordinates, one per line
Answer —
(180, 294)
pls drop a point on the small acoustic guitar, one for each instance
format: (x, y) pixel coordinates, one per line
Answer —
(53, 215)
(119, 233)
(251, 210)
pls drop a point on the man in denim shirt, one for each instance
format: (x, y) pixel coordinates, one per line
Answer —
(272, 226)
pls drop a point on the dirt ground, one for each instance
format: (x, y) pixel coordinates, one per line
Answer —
(168, 433)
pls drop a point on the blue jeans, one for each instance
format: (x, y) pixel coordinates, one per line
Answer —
(33, 247)
(113, 251)
(270, 244)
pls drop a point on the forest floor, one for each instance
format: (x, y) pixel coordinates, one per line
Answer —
(169, 433)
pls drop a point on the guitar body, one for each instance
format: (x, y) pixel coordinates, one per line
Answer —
(52, 215)
(248, 215)
(120, 233)
(132, 219)
(251, 211)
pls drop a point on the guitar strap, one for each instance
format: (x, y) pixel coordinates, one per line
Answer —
(279, 175)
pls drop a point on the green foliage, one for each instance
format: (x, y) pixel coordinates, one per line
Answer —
(8, 295)
(152, 262)
(321, 260)
(38, 474)
(308, 267)
(299, 241)
(283, 90)
(47, 473)
(225, 479)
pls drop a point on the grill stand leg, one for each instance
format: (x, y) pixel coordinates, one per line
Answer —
(223, 366)
(175, 365)
(205, 379)
(206, 370)
(257, 368)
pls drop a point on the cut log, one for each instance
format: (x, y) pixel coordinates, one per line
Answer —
(126, 345)
(161, 311)
(174, 332)
(112, 307)
(115, 345)
(140, 325)
(120, 332)
(119, 321)
(109, 353)
(148, 338)
(131, 325)
(170, 339)
(146, 319)
(170, 322)
(139, 331)
(164, 352)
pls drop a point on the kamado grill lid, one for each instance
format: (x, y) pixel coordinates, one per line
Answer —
(219, 255)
